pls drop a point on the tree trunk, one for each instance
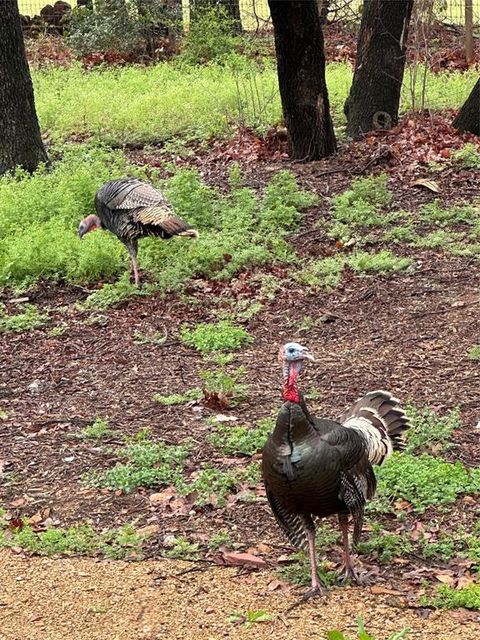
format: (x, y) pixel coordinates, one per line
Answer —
(468, 118)
(20, 139)
(301, 78)
(375, 93)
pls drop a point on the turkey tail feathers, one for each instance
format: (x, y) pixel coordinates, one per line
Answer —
(189, 233)
(381, 421)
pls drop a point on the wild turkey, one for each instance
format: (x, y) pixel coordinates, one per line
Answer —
(132, 209)
(315, 467)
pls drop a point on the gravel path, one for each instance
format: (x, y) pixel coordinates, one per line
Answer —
(81, 598)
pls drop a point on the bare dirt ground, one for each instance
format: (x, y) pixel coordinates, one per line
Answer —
(409, 334)
(81, 598)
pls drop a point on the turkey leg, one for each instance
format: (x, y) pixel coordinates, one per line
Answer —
(133, 256)
(317, 588)
(349, 572)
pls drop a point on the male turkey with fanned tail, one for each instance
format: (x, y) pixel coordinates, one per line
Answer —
(316, 467)
(132, 209)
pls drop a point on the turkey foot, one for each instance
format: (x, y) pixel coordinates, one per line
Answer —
(350, 575)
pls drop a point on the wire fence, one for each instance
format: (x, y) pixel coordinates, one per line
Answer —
(252, 16)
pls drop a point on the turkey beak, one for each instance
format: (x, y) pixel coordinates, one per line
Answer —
(307, 355)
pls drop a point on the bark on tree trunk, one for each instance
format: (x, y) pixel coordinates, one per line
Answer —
(301, 78)
(468, 118)
(20, 139)
(375, 93)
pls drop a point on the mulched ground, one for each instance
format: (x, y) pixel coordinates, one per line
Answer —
(409, 334)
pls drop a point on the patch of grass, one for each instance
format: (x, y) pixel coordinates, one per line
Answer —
(404, 233)
(384, 262)
(96, 431)
(474, 352)
(26, 321)
(436, 239)
(445, 548)
(219, 336)
(363, 204)
(111, 295)
(178, 398)
(424, 481)
(326, 273)
(363, 635)
(118, 544)
(183, 549)
(234, 440)
(148, 464)
(448, 598)
(211, 486)
(468, 157)
(456, 214)
(386, 545)
(223, 387)
(430, 431)
(59, 330)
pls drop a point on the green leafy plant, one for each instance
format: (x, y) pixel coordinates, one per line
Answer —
(154, 338)
(222, 388)
(111, 295)
(183, 549)
(220, 539)
(326, 272)
(178, 398)
(220, 336)
(386, 545)
(299, 571)
(449, 598)
(233, 440)
(96, 431)
(444, 548)
(474, 352)
(148, 464)
(211, 485)
(384, 262)
(424, 481)
(468, 157)
(363, 635)
(26, 321)
(249, 618)
(364, 203)
(118, 544)
(210, 36)
(429, 430)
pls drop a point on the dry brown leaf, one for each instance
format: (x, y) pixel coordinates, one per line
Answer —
(428, 184)
(464, 581)
(243, 559)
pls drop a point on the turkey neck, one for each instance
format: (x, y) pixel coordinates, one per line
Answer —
(290, 389)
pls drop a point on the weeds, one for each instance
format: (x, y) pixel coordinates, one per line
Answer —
(111, 295)
(249, 618)
(299, 571)
(220, 539)
(26, 321)
(363, 635)
(468, 157)
(96, 431)
(449, 598)
(221, 388)
(384, 262)
(118, 544)
(178, 398)
(428, 431)
(432, 212)
(234, 440)
(474, 352)
(386, 545)
(148, 464)
(182, 549)
(424, 481)
(220, 336)
(363, 204)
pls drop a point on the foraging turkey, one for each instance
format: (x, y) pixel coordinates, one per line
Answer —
(132, 209)
(316, 467)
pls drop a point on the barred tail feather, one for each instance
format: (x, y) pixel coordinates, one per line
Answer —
(381, 422)
(190, 233)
